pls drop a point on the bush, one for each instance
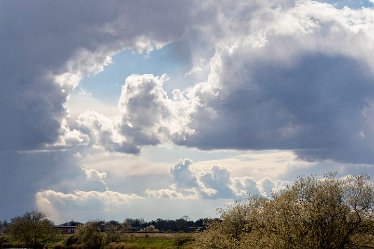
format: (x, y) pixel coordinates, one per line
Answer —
(4, 243)
(327, 213)
(90, 236)
(71, 242)
(113, 233)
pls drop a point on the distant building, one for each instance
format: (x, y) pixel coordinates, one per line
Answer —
(68, 227)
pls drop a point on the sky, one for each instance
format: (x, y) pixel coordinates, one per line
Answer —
(164, 109)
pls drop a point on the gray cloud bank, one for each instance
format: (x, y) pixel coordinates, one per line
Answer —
(301, 80)
(317, 106)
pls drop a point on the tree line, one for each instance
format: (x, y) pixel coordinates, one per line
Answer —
(34, 230)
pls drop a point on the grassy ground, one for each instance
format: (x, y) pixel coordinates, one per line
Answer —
(153, 241)
(126, 241)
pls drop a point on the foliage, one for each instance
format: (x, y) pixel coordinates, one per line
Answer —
(71, 242)
(114, 231)
(178, 225)
(3, 226)
(89, 235)
(3, 241)
(33, 229)
(127, 241)
(325, 213)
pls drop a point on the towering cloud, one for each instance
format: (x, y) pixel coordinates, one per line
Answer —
(182, 174)
(214, 183)
(149, 117)
(47, 47)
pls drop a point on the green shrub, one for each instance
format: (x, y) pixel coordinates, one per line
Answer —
(71, 242)
(90, 236)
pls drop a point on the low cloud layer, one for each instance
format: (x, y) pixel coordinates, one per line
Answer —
(215, 183)
(208, 187)
(58, 205)
(112, 191)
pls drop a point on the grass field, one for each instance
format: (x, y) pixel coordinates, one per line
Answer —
(126, 241)
(153, 241)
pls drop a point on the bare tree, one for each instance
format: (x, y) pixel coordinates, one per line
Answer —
(33, 229)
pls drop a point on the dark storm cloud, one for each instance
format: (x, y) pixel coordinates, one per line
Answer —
(23, 174)
(37, 38)
(301, 80)
(314, 106)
